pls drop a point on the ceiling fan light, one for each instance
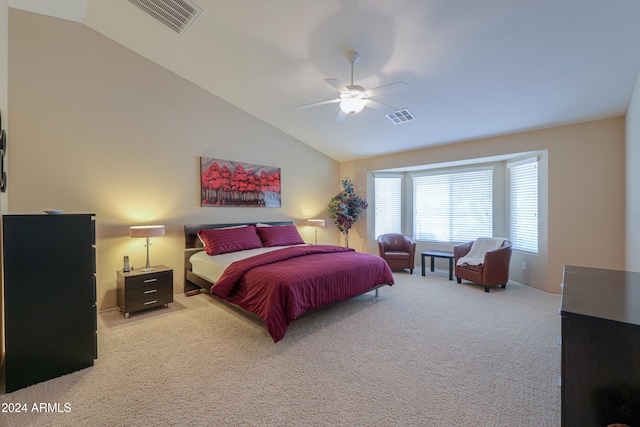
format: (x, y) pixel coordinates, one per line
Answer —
(352, 105)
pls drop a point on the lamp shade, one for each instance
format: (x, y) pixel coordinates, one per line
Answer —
(315, 222)
(147, 230)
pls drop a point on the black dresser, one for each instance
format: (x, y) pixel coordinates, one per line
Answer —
(600, 347)
(49, 296)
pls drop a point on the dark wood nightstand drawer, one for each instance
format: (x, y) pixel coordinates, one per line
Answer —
(150, 290)
(149, 279)
(148, 302)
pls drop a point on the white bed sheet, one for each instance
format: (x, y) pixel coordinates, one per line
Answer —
(211, 267)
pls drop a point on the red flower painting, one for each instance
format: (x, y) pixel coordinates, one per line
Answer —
(228, 183)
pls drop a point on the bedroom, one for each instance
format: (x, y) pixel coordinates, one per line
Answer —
(130, 150)
(137, 152)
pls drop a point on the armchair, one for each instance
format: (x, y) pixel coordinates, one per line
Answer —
(492, 271)
(398, 250)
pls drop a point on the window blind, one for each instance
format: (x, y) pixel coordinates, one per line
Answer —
(523, 205)
(388, 204)
(453, 206)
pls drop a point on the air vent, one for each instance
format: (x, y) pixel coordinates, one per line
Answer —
(175, 14)
(400, 116)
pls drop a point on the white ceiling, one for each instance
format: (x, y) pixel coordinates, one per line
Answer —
(474, 68)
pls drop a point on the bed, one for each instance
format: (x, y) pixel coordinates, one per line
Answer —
(267, 269)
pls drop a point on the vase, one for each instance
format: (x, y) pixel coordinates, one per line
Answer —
(346, 239)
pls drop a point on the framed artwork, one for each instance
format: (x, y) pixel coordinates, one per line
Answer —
(229, 183)
(3, 150)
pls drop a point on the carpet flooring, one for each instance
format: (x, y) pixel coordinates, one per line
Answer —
(426, 352)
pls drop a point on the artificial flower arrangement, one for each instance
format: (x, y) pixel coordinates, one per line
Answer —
(345, 208)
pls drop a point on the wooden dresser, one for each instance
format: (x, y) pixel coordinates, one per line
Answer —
(49, 296)
(600, 347)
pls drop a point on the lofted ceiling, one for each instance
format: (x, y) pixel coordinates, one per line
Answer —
(474, 69)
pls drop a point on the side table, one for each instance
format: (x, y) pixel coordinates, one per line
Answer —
(438, 254)
(139, 289)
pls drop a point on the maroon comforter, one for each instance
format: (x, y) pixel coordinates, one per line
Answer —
(281, 285)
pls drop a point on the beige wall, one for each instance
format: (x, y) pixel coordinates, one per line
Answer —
(582, 221)
(4, 84)
(97, 128)
(633, 181)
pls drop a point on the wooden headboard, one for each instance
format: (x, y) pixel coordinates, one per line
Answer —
(191, 231)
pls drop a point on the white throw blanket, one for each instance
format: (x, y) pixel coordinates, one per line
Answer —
(478, 249)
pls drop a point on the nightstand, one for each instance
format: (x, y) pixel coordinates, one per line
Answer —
(139, 290)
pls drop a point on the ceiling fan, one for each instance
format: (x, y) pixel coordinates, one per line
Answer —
(353, 98)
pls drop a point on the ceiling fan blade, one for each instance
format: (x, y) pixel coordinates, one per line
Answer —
(392, 87)
(314, 104)
(338, 85)
(380, 106)
(341, 116)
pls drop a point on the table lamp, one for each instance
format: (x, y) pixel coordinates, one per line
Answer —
(147, 231)
(315, 223)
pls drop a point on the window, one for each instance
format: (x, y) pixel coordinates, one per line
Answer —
(523, 205)
(388, 204)
(453, 206)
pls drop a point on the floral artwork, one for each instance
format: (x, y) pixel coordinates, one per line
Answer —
(228, 183)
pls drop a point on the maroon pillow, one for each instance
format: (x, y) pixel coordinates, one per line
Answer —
(282, 235)
(225, 240)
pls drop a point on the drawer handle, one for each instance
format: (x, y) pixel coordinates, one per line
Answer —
(150, 280)
(151, 291)
(151, 302)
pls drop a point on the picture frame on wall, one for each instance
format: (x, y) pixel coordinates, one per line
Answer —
(226, 183)
(3, 151)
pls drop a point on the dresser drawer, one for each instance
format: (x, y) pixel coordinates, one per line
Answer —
(149, 302)
(149, 290)
(149, 279)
